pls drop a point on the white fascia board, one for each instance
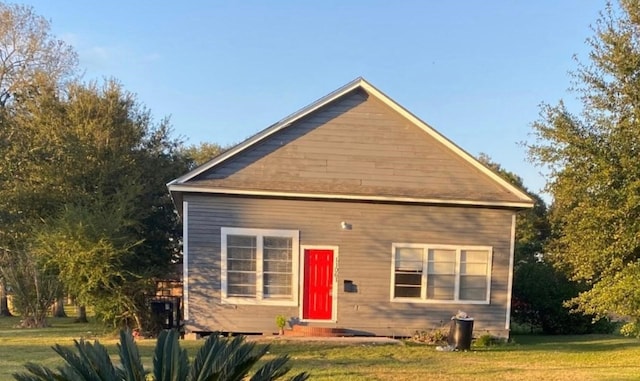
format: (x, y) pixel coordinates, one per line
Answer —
(242, 192)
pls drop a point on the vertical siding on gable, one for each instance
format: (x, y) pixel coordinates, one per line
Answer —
(365, 258)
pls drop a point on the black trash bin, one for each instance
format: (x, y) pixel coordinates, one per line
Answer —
(461, 333)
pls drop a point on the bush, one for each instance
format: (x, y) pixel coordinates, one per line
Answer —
(539, 291)
(488, 340)
(218, 359)
(436, 336)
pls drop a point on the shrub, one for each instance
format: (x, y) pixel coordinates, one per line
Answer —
(218, 359)
(281, 322)
(436, 336)
(488, 340)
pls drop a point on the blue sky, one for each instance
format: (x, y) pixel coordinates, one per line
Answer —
(222, 70)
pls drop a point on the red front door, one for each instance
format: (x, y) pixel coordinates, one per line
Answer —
(317, 303)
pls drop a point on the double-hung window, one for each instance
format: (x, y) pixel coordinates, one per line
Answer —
(259, 266)
(441, 273)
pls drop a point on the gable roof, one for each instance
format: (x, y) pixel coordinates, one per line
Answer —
(188, 183)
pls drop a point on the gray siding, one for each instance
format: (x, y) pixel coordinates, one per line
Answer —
(356, 145)
(364, 258)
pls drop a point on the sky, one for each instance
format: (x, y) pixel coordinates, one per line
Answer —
(476, 71)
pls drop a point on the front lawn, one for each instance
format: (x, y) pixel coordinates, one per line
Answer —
(590, 357)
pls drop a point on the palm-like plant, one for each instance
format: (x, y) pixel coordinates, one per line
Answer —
(218, 359)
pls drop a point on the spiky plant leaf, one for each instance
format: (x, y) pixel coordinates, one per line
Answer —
(217, 360)
(38, 373)
(208, 360)
(242, 357)
(224, 360)
(91, 363)
(131, 363)
(170, 362)
(272, 370)
(300, 377)
(205, 359)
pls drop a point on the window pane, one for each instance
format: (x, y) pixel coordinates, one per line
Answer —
(474, 256)
(241, 266)
(442, 268)
(277, 285)
(441, 274)
(408, 279)
(442, 262)
(277, 292)
(473, 269)
(442, 255)
(441, 287)
(406, 292)
(409, 259)
(473, 287)
(241, 291)
(242, 278)
(277, 254)
(408, 284)
(277, 266)
(277, 242)
(241, 241)
(241, 284)
(473, 274)
(241, 252)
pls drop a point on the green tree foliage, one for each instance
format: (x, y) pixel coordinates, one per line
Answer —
(593, 160)
(86, 190)
(83, 174)
(85, 246)
(539, 289)
(218, 359)
(30, 57)
(29, 53)
(199, 154)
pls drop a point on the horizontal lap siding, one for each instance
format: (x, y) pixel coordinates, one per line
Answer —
(364, 258)
(362, 142)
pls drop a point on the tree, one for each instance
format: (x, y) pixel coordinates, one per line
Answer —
(34, 290)
(30, 57)
(202, 153)
(4, 301)
(218, 359)
(29, 53)
(84, 247)
(593, 160)
(90, 185)
(539, 289)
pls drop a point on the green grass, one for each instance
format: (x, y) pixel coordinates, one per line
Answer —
(589, 357)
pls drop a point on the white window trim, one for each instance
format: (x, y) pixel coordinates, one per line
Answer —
(259, 300)
(423, 288)
(334, 291)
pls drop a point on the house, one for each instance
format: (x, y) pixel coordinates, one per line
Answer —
(351, 214)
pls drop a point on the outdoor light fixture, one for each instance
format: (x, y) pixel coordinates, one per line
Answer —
(345, 226)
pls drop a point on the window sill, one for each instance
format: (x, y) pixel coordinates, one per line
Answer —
(259, 302)
(430, 301)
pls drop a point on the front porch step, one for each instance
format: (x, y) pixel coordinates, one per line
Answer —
(308, 331)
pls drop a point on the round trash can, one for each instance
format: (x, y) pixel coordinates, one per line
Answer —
(462, 333)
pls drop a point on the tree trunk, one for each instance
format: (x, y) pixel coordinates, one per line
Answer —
(82, 314)
(58, 308)
(4, 301)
